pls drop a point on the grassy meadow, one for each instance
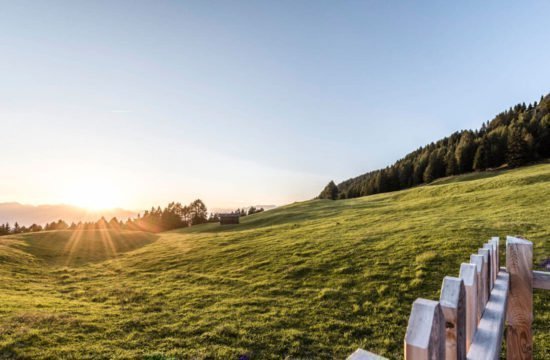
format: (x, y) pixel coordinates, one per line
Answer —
(315, 279)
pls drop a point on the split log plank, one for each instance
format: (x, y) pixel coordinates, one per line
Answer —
(453, 306)
(492, 264)
(477, 260)
(468, 274)
(496, 241)
(425, 336)
(488, 338)
(519, 263)
(541, 280)
(361, 354)
(486, 275)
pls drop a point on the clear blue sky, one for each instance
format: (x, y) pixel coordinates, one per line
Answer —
(250, 102)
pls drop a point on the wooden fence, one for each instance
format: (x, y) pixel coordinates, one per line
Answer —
(468, 320)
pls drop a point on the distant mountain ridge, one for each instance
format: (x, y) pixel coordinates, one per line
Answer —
(515, 137)
(40, 214)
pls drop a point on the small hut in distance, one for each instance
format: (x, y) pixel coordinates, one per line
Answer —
(229, 219)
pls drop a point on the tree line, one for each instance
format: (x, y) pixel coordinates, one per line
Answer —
(513, 138)
(173, 216)
(215, 217)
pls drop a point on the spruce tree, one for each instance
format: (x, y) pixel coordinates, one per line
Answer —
(480, 159)
(450, 160)
(517, 148)
(465, 151)
(329, 192)
(435, 168)
(381, 182)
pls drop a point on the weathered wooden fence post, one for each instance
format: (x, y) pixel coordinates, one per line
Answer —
(469, 320)
(492, 264)
(496, 241)
(468, 274)
(487, 342)
(453, 305)
(425, 336)
(519, 263)
(477, 260)
(486, 273)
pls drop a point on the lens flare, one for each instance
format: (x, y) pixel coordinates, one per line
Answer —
(96, 194)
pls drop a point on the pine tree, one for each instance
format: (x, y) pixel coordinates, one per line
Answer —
(517, 148)
(329, 192)
(199, 213)
(419, 168)
(405, 173)
(480, 158)
(450, 160)
(435, 168)
(381, 182)
(465, 152)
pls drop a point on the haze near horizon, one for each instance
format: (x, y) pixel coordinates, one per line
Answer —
(134, 104)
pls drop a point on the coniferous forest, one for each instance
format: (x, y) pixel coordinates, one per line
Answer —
(515, 137)
(173, 216)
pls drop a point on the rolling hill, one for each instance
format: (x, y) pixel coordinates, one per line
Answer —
(315, 279)
(515, 137)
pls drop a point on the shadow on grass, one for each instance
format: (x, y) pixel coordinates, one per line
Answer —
(78, 247)
(290, 214)
(467, 177)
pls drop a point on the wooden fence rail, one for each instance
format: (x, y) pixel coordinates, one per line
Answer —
(469, 319)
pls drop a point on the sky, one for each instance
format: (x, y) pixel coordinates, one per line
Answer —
(138, 103)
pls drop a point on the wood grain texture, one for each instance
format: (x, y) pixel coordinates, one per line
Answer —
(477, 260)
(496, 241)
(468, 274)
(487, 274)
(519, 263)
(492, 264)
(487, 342)
(453, 306)
(425, 336)
(541, 280)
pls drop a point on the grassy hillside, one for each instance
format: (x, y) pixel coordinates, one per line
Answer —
(310, 280)
(70, 248)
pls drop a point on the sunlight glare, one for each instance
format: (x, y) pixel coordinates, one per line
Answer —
(93, 194)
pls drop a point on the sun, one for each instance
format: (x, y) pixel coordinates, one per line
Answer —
(93, 194)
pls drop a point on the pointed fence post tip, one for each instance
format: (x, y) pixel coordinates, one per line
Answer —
(425, 336)
(519, 315)
(453, 306)
(477, 260)
(468, 274)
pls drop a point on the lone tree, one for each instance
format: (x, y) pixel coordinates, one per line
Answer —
(199, 213)
(329, 192)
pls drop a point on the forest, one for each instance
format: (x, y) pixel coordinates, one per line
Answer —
(515, 137)
(173, 216)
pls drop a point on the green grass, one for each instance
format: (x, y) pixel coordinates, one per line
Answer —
(71, 248)
(315, 279)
